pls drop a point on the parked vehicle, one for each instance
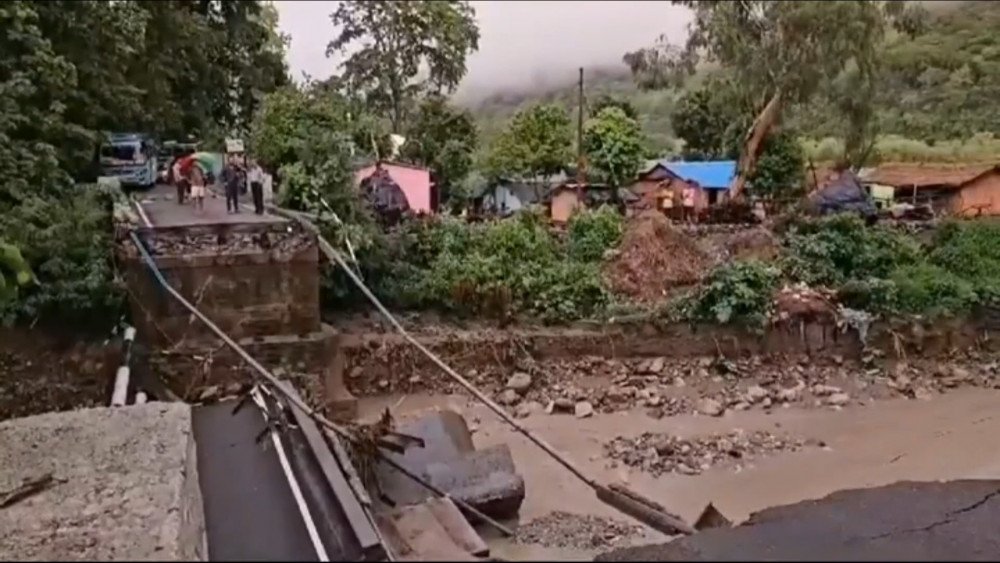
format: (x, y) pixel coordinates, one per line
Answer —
(130, 157)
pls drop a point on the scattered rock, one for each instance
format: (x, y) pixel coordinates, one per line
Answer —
(821, 390)
(838, 399)
(568, 530)
(519, 382)
(656, 366)
(756, 393)
(583, 409)
(788, 394)
(922, 394)
(509, 397)
(710, 407)
(664, 453)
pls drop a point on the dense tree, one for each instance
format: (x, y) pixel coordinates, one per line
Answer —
(390, 44)
(537, 142)
(444, 140)
(712, 121)
(71, 70)
(606, 100)
(709, 118)
(613, 143)
(780, 52)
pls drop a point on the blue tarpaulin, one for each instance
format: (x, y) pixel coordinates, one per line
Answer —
(710, 175)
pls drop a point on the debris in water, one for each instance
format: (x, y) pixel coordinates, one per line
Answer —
(663, 453)
(565, 529)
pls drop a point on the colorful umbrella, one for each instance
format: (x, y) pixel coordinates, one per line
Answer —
(208, 162)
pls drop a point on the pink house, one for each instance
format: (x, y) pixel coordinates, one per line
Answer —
(413, 180)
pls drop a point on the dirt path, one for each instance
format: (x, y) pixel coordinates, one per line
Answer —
(941, 438)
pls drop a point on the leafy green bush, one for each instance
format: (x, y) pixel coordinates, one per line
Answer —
(593, 232)
(492, 269)
(738, 292)
(14, 272)
(68, 242)
(932, 290)
(873, 295)
(834, 250)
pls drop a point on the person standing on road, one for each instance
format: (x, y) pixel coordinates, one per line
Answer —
(198, 188)
(232, 178)
(255, 176)
(180, 182)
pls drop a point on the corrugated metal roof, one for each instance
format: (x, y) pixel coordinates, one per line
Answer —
(713, 175)
(927, 175)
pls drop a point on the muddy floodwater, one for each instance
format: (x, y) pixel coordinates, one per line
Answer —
(950, 436)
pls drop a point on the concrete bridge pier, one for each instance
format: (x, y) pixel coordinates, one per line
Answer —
(257, 277)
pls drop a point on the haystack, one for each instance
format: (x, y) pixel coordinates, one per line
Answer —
(654, 258)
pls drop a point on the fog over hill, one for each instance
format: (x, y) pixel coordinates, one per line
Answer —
(524, 46)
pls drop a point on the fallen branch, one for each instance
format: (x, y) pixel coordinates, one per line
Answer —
(29, 489)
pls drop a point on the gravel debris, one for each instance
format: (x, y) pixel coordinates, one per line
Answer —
(664, 453)
(568, 530)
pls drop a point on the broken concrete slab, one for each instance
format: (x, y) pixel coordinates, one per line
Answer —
(126, 485)
(905, 521)
(486, 479)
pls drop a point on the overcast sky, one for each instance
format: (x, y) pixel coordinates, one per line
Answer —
(523, 43)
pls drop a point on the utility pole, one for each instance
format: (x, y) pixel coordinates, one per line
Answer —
(580, 159)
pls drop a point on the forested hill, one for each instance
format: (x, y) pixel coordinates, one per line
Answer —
(941, 84)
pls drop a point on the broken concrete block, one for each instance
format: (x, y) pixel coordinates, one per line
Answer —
(125, 485)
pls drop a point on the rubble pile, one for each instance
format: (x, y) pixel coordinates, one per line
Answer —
(707, 386)
(663, 453)
(568, 530)
(280, 242)
(653, 258)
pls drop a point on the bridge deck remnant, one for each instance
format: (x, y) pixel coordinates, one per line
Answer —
(256, 276)
(125, 485)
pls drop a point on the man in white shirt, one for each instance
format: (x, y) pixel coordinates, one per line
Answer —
(255, 177)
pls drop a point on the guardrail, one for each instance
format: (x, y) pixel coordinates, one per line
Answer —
(119, 394)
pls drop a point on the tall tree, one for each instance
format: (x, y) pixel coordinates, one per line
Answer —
(444, 140)
(712, 121)
(781, 52)
(613, 142)
(537, 142)
(35, 83)
(401, 49)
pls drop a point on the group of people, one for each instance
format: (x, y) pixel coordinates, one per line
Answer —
(237, 175)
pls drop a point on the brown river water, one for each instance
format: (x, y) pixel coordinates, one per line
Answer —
(948, 437)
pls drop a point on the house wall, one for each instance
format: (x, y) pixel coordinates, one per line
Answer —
(647, 189)
(415, 183)
(983, 191)
(564, 204)
(506, 200)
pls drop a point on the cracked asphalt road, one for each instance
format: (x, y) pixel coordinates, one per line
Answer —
(909, 521)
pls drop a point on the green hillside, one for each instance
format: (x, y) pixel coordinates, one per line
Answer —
(940, 87)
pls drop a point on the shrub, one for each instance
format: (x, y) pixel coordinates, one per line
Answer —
(594, 232)
(738, 292)
(932, 290)
(834, 250)
(68, 242)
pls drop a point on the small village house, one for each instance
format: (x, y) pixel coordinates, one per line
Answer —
(964, 190)
(415, 181)
(684, 188)
(568, 197)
